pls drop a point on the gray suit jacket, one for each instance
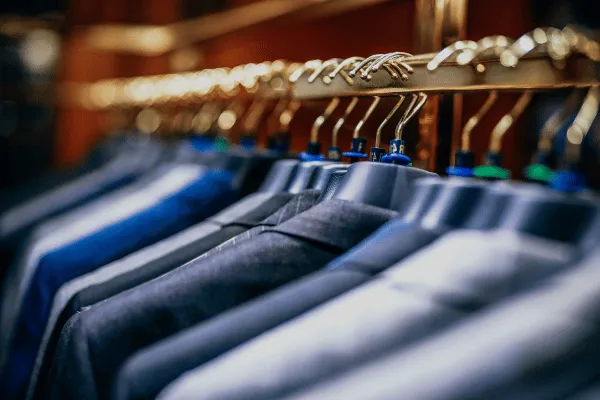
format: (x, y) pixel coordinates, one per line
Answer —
(543, 344)
(460, 273)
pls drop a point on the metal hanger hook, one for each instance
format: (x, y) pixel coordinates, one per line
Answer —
(396, 68)
(345, 63)
(253, 114)
(314, 132)
(550, 40)
(286, 117)
(449, 51)
(415, 105)
(307, 66)
(386, 120)
(557, 120)
(388, 57)
(581, 125)
(230, 115)
(401, 68)
(334, 62)
(363, 63)
(279, 109)
(508, 120)
(340, 122)
(475, 119)
(359, 125)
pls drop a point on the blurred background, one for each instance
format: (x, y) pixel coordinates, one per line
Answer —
(48, 47)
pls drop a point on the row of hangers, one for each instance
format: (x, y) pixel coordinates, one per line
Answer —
(541, 60)
(271, 93)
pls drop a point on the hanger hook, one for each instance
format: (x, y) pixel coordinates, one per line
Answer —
(582, 43)
(386, 120)
(359, 125)
(551, 40)
(307, 66)
(389, 63)
(475, 119)
(508, 120)
(340, 122)
(334, 62)
(557, 120)
(317, 71)
(314, 132)
(415, 105)
(206, 117)
(285, 119)
(352, 62)
(389, 57)
(348, 61)
(496, 43)
(253, 115)
(403, 69)
(363, 63)
(581, 125)
(276, 113)
(229, 116)
(449, 51)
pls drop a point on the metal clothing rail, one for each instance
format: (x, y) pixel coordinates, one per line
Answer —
(268, 80)
(541, 60)
(533, 73)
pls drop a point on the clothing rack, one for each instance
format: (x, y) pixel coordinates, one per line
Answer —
(206, 236)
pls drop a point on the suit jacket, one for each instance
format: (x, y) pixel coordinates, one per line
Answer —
(542, 344)
(77, 223)
(123, 169)
(108, 149)
(187, 202)
(147, 372)
(153, 261)
(462, 272)
(590, 392)
(95, 342)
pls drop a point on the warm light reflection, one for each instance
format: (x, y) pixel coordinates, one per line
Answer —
(575, 135)
(203, 121)
(466, 47)
(539, 35)
(508, 59)
(465, 57)
(185, 59)
(148, 121)
(557, 43)
(152, 40)
(227, 120)
(185, 86)
(183, 121)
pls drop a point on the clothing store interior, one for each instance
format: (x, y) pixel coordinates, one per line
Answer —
(299, 199)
